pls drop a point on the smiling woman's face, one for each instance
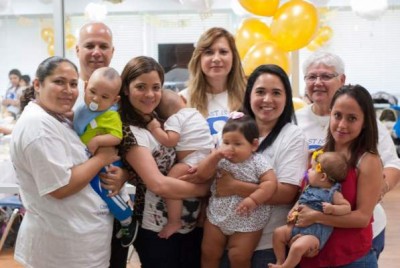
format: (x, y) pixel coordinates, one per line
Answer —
(321, 92)
(145, 92)
(267, 99)
(59, 90)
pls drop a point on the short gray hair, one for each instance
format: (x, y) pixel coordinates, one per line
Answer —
(325, 58)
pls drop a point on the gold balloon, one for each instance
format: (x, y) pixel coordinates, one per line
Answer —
(266, 52)
(260, 7)
(323, 35)
(298, 103)
(294, 24)
(47, 35)
(70, 41)
(326, 33)
(50, 49)
(251, 31)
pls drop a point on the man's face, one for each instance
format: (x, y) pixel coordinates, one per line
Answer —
(95, 49)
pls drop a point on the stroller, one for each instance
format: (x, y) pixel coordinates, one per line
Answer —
(388, 112)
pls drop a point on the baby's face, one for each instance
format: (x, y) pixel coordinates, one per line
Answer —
(101, 94)
(314, 176)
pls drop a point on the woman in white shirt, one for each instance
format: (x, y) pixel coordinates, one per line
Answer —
(66, 223)
(268, 99)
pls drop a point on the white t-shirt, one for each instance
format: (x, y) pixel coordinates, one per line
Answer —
(316, 135)
(218, 111)
(288, 156)
(71, 232)
(193, 130)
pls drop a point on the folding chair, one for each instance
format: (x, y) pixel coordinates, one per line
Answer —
(13, 202)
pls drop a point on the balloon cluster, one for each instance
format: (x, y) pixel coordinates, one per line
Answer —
(47, 34)
(294, 25)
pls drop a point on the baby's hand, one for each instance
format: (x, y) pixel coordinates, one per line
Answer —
(92, 146)
(225, 152)
(153, 124)
(246, 206)
(327, 208)
(292, 216)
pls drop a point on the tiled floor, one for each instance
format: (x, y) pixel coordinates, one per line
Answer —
(390, 257)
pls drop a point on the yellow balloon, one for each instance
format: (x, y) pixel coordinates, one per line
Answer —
(298, 103)
(326, 33)
(260, 7)
(266, 52)
(294, 24)
(250, 32)
(47, 35)
(323, 35)
(70, 41)
(50, 49)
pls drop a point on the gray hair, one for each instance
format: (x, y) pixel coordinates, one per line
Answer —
(325, 58)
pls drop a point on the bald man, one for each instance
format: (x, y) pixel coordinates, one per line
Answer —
(95, 49)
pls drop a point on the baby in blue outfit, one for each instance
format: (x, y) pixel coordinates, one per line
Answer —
(323, 194)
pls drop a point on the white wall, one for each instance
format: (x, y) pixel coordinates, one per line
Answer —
(370, 50)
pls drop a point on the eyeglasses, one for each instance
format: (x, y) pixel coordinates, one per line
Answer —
(311, 78)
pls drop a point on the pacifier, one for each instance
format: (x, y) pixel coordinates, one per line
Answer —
(93, 106)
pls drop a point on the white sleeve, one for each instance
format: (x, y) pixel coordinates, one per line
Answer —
(291, 155)
(185, 94)
(386, 148)
(49, 163)
(173, 124)
(144, 138)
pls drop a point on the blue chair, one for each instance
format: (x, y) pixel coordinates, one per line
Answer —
(14, 203)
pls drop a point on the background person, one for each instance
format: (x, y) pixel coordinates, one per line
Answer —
(148, 162)
(66, 224)
(324, 75)
(352, 132)
(25, 81)
(11, 99)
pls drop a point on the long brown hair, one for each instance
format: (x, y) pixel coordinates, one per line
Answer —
(197, 84)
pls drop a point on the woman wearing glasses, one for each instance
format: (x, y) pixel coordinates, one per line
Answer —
(324, 75)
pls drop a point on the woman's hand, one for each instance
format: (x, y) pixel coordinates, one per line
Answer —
(191, 176)
(306, 216)
(225, 184)
(114, 179)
